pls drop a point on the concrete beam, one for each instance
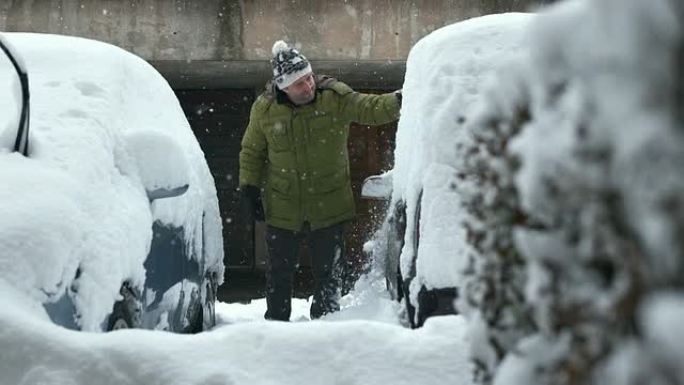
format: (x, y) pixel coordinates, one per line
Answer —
(181, 74)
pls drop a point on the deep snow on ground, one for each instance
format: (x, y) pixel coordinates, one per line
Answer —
(248, 351)
(368, 301)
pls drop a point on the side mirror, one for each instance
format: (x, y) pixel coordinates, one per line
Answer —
(378, 187)
(161, 193)
(161, 162)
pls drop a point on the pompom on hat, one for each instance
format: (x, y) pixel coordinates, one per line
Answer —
(288, 64)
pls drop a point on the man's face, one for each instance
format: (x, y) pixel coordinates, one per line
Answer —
(302, 91)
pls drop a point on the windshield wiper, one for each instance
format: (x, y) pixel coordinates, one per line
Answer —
(21, 142)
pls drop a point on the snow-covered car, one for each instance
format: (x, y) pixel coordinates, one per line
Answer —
(108, 212)
(421, 243)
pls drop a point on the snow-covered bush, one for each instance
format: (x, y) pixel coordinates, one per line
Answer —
(493, 295)
(575, 198)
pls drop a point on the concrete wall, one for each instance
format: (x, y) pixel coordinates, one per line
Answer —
(245, 30)
(356, 29)
(153, 29)
(176, 34)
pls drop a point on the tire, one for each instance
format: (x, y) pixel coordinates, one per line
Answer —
(410, 309)
(195, 315)
(396, 231)
(203, 315)
(126, 312)
(209, 308)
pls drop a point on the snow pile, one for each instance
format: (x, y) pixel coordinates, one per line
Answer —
(368, 300)
(353, 307)
(574, 192)
(77, 207)
(234, 313)
(444, 76)
(265, 352)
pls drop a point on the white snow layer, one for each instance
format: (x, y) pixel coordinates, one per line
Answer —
(35, 351)
(445, 73)
(99, 116)
(369, 300)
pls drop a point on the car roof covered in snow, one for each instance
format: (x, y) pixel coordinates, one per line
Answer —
(446, 72)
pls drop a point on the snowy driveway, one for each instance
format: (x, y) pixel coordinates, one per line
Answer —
(242, 349)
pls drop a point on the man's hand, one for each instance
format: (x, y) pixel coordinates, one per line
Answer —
(251, 196)
(399, 95)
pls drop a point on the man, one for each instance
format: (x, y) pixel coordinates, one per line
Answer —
(294, 156)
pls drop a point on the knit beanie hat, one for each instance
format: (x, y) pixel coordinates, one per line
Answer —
(288, 64)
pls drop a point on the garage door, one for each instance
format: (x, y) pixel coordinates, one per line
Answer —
(218, 119)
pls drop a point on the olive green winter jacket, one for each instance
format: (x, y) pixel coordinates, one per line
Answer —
(298, 154)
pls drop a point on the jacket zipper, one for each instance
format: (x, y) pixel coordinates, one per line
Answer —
(304, 216)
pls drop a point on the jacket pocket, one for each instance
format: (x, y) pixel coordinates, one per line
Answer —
(331, 182)
(279, 203)
(277, 136)
(280, 185)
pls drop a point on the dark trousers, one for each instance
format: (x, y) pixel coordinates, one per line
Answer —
(326, 247)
